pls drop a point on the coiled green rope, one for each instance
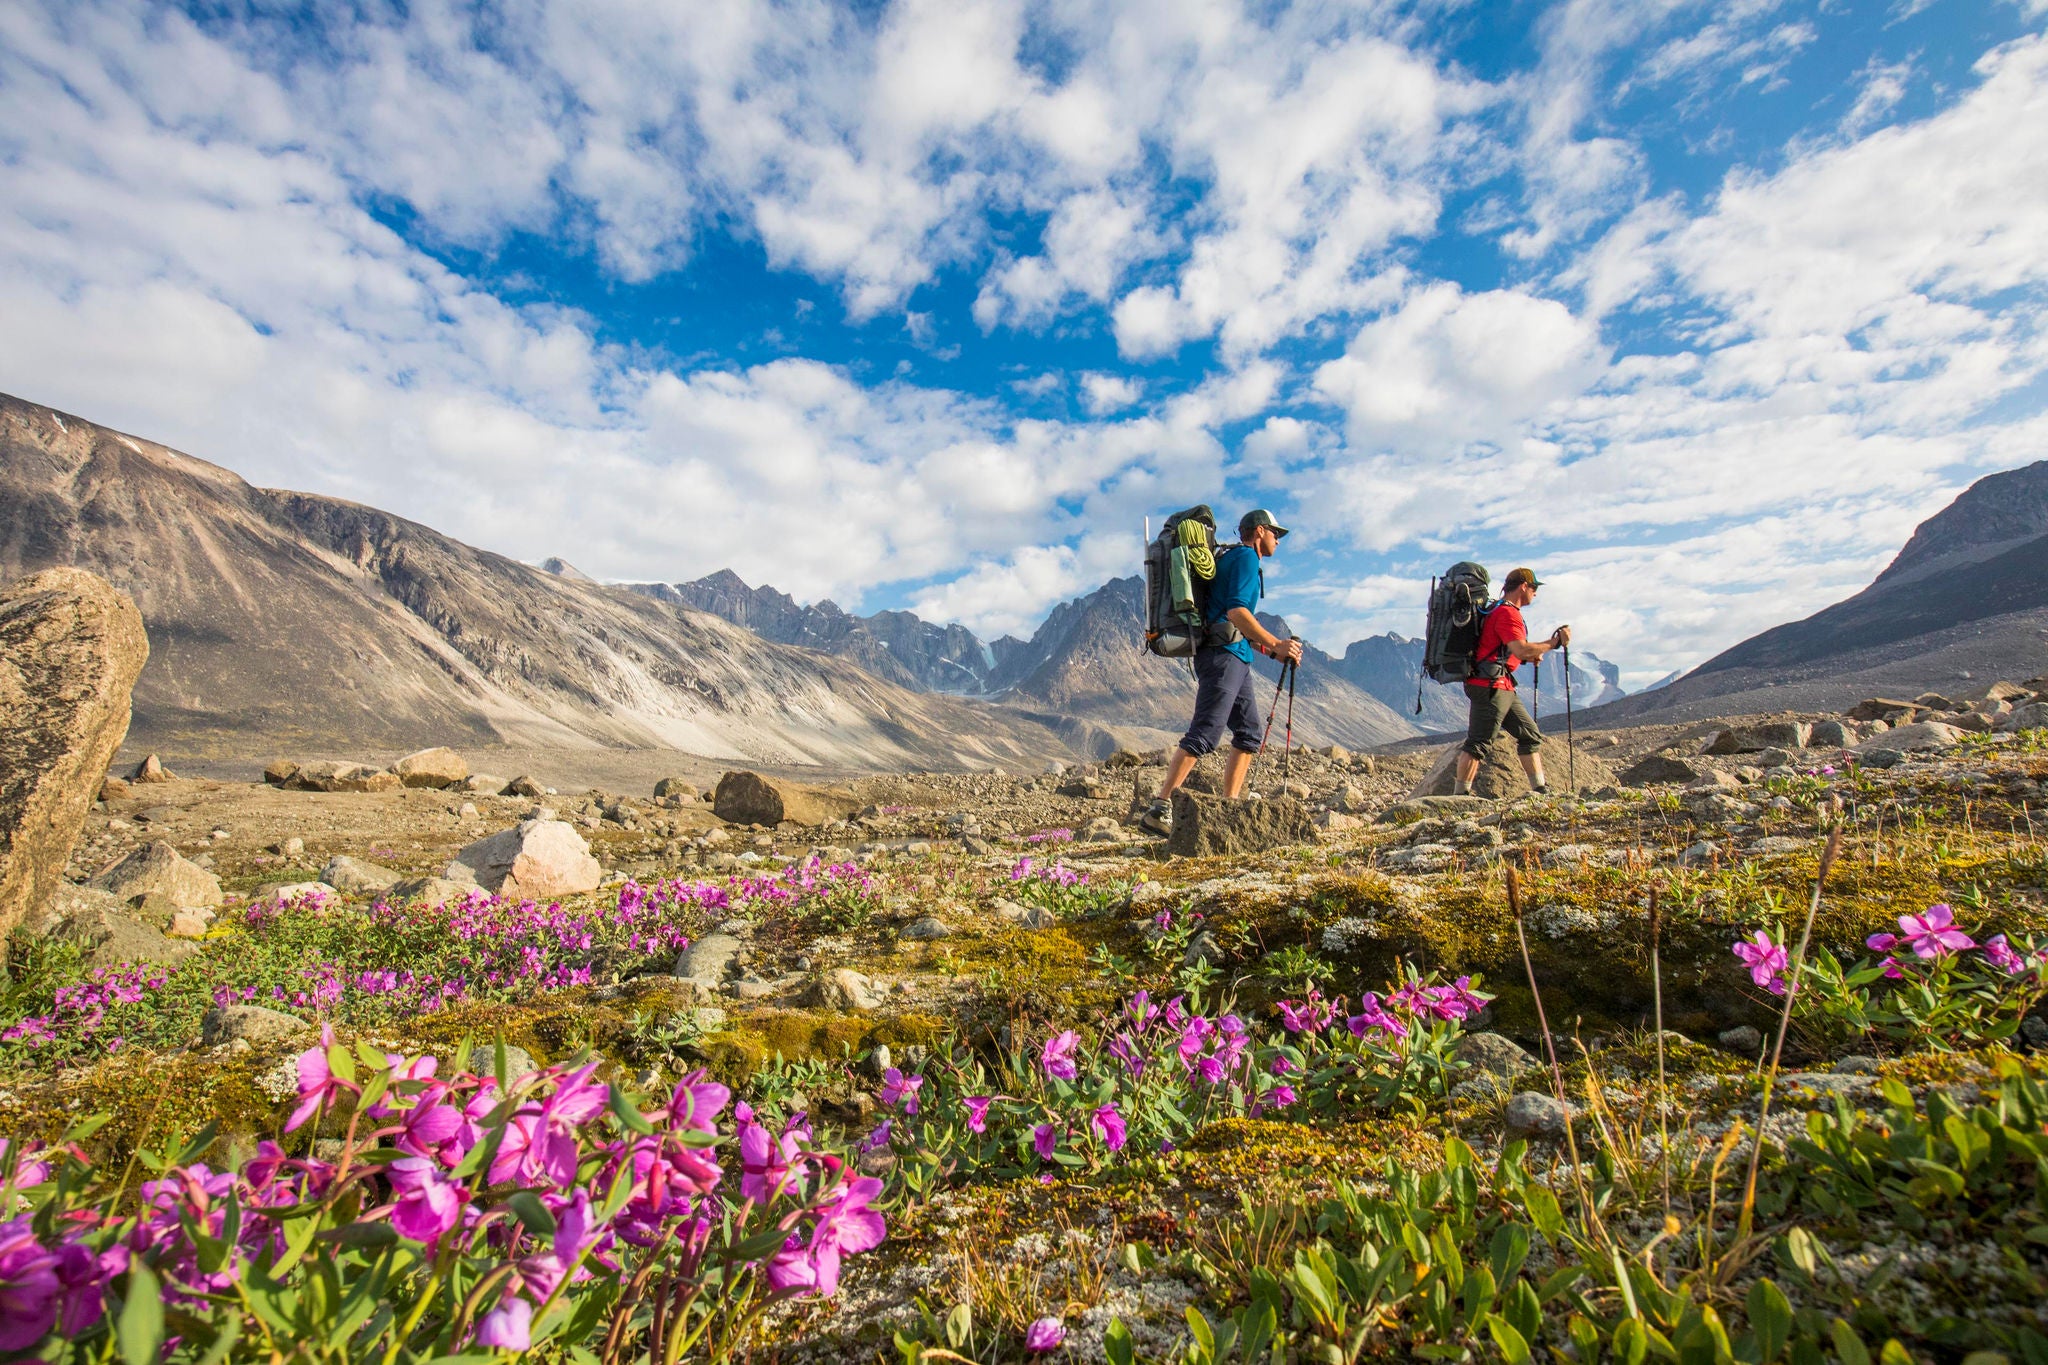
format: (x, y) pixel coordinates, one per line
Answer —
(1201, 559)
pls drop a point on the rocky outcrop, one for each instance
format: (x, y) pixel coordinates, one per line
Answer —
(1210, 826)
(355, 876)
(1500, 772)
(748, 798)
(1655, 769)
(71, 648)
(109, 932)
(537, 860)
(159, 869)
(436, 768)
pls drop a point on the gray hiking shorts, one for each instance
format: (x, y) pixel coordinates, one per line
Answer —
(1224, 697)
(1495, 709)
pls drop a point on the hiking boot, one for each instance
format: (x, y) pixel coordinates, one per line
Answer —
(1158, 817)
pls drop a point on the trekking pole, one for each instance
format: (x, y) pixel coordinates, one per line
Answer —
(1536, 667)
(1287, 754)
(1273, 710)
(1571, 747)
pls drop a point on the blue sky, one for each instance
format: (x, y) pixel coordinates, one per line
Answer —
(1697, 307)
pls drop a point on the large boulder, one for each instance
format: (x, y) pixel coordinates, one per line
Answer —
(538, 860)
(748, 798)
(1500, 772)
(1210, 826)
(438, 768)
(1754, 739)
(2032, 716)
(1907, 739)
(328, 776)
(71, 647)
(355, 876)
(251, 1024)
(1656, 770)
(158, 868)
(108, 931)
(1878, 708)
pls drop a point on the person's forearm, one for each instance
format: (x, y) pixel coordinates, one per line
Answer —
(1248, 624)
(1530, 651)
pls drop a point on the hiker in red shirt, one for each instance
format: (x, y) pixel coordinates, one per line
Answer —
(1504, 645)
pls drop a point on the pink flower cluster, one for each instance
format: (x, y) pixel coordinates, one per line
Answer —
(437, 1159)
(1056, 873)
(82, 1007)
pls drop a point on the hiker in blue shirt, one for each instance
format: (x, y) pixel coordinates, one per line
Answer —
(1224, 682)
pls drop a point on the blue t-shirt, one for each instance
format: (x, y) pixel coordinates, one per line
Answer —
(1238, 583)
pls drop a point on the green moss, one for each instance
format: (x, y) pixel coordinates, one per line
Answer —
(154, 1101)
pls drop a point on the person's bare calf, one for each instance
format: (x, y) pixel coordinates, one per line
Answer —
(1177, 769)
(1532, 765)
(1468, 768)
(1234, 771)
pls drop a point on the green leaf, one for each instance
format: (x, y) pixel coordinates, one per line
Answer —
(1849, 1348)
(1770, 1319)
(628, 1113)
(1513, 1347)
(959, 1326)
(379, 1234)
(1117, 1343)
(1204, 1335)
(1896, 1094)
(1258, 1325)
(1894, 1354)
(1544, 1211)
(531, 1213)
(224, 1344)
(1631, 1342)
(196, 1148)
(140, 1329)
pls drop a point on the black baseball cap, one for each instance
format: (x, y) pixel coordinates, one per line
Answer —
(1259, 516)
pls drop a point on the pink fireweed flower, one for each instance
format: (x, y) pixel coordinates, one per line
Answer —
(977, 1112)
(1371, 1016)
(508, 1327)
(318, 1085)
(429, 1204)
(1058, 1055)
(769, 1164)
(1999, 954)
(898, 1088)
(1766, 961)
(1046, 1334)
(1280, 1096)
(1045, 1141)
(878, 1139)
(845, 1226)
(1934, 934)
(1141, 1011)
(1881, 943)
(1110, 1126)
(1125, 1049)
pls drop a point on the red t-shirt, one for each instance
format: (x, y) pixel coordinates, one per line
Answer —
(1502, 625)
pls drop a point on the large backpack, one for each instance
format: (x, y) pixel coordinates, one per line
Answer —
(1458, 606)
(1180, 564)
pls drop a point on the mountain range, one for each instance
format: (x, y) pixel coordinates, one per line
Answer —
(288, 623)
(1963, 602)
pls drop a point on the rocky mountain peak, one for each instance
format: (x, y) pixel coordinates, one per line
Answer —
(1991, 516)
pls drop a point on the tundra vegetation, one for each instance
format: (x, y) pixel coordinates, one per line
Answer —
(1610, 1080)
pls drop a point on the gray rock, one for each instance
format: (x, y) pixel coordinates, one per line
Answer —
(1777, 844)
(845, 989)
(159, 867)
(748, 798)
(527, 787)
(1774, 758)
(1856, 1066)
(273, 892)
(431, 890)
(435, 768)
(710, 959)
(1926, 734)
(326, 775)
(1204, 948)
(293, 847)
(1657, 770)
(1830, 734)
(538, 860)
(356, 877)
(1026, 916)
(1743, 1040)
(252, 1024)
(102, 925)
(1493, 1054)
(151, 769)
(1103, 829)
(1533, 1114)
(925, 929)
(1208, 826)
(2031, 716)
